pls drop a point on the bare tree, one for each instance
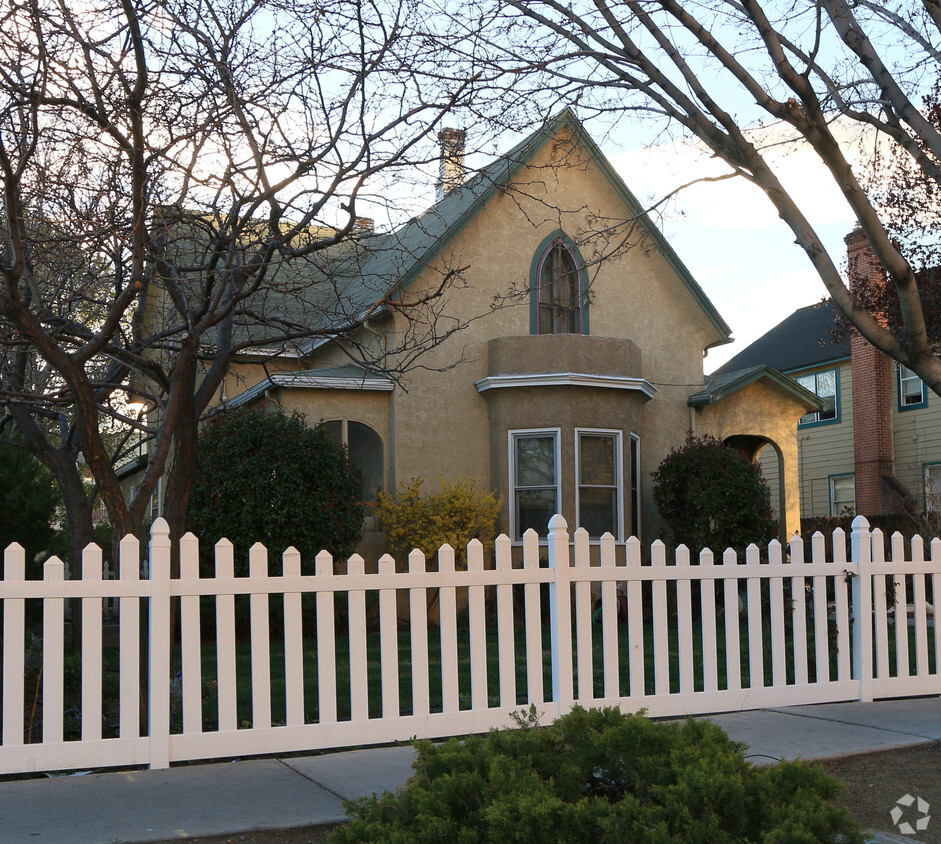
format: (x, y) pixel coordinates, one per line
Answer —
(716, 70)
(182, 182)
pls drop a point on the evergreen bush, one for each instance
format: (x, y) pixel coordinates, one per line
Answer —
(268, 477)
(28, 501)
(602, 776)
(712, 496)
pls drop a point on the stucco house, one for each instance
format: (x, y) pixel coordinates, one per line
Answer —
(580, 365)
(874, 447)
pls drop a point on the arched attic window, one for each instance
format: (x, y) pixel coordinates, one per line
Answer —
(559, 289)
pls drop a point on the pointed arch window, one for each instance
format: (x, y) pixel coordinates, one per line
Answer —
(559, 294)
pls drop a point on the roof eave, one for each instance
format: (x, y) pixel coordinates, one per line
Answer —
(749, 376)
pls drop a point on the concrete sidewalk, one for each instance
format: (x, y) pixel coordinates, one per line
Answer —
(241, 796)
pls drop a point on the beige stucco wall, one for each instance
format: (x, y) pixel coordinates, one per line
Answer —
(636, 295)
(764, 412)
(644, 323)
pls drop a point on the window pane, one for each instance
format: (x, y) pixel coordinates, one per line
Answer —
(597, 460)
(829, 408)
(335, 428)
(826, 383)
(535, 461)
(535, 507)
(597, 511)
(910, 387)
(842, 494)
(559, 295)
(634, 528)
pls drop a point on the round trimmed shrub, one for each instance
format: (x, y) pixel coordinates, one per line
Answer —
(712, 496)
(268, 477)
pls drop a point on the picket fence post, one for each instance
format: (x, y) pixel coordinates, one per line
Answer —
(14, 641)
(560, 615)
(861, 555)
(160, 643)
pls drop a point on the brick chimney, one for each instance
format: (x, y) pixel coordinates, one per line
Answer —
(873, 374)
(451, 172)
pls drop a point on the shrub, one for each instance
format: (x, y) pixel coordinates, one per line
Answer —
(28, 501)
(267, 477)
(455, 516)
(602, 776)
(712, 496)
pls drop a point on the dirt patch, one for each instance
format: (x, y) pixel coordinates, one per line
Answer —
(876, 781)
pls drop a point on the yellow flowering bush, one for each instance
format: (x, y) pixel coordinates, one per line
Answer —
(456, 515)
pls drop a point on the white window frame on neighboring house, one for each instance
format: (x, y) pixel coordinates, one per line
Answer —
(515, 437)
(156, 500)
(583, 486)
(839, 503)
(912, 391)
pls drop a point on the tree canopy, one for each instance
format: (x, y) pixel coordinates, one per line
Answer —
(185, 182)
(826, 74)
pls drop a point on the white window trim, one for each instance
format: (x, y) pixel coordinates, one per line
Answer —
(618, 474)
(901, 378)
(512, 436)
(635, 438)
(833, 502)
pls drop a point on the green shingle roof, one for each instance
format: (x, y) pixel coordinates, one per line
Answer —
(390, 262)
(348, 377)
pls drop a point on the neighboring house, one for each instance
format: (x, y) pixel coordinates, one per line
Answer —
(875, 445)
(584, 371)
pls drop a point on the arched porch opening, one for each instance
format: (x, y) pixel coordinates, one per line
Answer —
(751, 447)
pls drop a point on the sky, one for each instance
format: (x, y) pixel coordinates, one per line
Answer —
(731, 239)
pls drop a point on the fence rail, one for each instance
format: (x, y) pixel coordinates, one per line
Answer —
(688, 637)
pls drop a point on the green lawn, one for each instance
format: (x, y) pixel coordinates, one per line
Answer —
(243, 659)
(243, 666)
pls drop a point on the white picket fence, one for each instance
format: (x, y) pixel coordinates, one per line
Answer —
(769, 631)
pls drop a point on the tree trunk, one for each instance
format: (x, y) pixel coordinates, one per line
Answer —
(78, 511)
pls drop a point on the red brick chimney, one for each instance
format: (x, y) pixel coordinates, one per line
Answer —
(873, 373)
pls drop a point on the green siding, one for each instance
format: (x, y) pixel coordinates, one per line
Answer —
(826, 450)
(917, 442)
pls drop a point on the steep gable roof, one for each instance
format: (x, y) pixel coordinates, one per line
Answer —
(802, 340)
(718, 386)
(392, 261)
